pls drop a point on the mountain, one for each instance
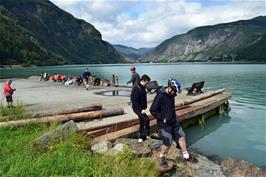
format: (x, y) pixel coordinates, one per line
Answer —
(242, 40)
(36, 32)
(130, 52)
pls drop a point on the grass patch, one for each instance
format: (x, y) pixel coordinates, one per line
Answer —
(72, 157)
(18, 157)
(14, 113)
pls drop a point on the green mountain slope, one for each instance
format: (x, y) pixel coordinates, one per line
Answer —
(130, 52)
(234, 41)
(59, 37)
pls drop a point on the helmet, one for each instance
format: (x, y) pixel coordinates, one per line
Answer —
(132, 68)
(175, 85)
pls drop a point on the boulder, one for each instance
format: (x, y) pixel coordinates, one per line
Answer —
(201, 167)
(162, 170)
(117, 149)
(101, 147)
(240, 168)
(205, 167)
(56, 136)
(139, 149)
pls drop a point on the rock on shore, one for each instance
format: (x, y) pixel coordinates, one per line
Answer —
(203, 168)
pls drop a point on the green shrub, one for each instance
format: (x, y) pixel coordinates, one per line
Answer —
(14, 113)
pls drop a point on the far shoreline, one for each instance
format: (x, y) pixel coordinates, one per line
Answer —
(136, 63)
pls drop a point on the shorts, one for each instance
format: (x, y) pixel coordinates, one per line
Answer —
(170, 133)
(9, 98)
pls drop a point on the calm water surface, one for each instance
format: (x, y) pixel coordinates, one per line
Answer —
(241, 134)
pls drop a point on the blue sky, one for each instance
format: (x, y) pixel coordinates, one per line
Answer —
(139, 23)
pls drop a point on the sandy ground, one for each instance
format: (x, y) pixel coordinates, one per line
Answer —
(50, 96)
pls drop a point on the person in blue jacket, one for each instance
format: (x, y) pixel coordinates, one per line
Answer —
(163, 109)
(86, 74)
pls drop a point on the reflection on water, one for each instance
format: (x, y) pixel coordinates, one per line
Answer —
(197, 132)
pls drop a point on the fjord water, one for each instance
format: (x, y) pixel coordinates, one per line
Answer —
(240, 134)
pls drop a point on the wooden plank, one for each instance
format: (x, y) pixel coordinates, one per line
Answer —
(65, 118)
(193, 99)
(92, 107)
(203, 107)
(111, 129)
(123, 132)
(120, 125)
(126, 123)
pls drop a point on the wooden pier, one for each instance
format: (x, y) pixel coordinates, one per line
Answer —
(103, 120)
(189, 110)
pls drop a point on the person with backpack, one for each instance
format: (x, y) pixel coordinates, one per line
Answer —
(139, 104)
(163, 109)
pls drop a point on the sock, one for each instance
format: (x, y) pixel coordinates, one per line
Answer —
(185, 154)
(161, 155)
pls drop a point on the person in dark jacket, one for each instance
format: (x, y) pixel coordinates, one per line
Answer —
(135, 77)
(163, 109)
(86, 74)
(139, 104)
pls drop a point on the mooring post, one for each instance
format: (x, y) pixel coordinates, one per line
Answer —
(221, 109)
(116, 79)
(113, 79)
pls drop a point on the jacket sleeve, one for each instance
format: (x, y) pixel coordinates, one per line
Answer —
(131, 80)
(135, 98)
(155, 108)
(145, 101)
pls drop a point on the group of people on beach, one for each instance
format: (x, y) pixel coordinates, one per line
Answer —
(163, 109)
(85, 79)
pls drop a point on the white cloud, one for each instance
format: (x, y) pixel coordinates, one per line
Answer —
(147, 23)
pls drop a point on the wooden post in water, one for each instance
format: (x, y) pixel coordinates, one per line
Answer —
(113, 79)
(116, 79)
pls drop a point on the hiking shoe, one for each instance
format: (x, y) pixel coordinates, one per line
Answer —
(140, 140)
(163, 162)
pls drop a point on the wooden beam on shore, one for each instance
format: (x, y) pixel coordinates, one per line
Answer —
(122, 132)
(115, 124)
(64, 118)
(196, 98)
(93, 107)
(112, 128)
(202, 107)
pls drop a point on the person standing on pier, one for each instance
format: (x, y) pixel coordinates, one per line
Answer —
(139, 104)
(135, 77)
(8, 92)
(86, 74)
(163, 109)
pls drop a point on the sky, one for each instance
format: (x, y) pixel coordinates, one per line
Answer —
(147, 23)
